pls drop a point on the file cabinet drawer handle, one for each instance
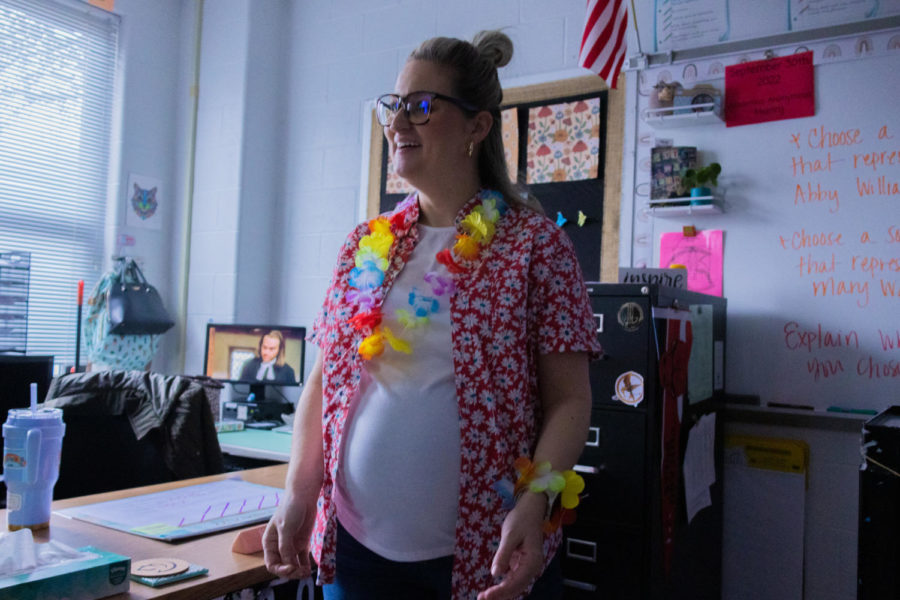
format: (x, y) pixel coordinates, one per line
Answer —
(599, 317)
(593, 437)
(581, 549)
(586, 469)
(579, 585)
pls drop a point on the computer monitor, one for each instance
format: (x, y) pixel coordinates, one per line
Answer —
(17, 372)
(257, 355)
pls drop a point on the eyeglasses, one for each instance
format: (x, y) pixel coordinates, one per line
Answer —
(417, 106)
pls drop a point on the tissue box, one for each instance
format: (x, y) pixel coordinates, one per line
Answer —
(105, 575)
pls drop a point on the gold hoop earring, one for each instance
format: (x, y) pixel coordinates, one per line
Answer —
(470, 149)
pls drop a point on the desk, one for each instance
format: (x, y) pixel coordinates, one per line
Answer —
(227, 571)
(257, 443)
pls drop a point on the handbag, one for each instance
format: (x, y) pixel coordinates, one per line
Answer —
(134, 306)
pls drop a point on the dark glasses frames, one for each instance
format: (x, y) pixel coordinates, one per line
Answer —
(417, 106)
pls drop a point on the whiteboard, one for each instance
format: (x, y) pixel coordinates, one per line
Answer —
(682, 24)
(812, 231)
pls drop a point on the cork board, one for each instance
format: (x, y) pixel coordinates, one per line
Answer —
(603, 192)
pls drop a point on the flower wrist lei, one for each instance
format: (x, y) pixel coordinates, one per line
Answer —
(371, 263)
(540, 478)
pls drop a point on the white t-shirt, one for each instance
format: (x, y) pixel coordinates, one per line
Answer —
(398, 483)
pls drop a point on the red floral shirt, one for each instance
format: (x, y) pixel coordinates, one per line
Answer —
(523, 296)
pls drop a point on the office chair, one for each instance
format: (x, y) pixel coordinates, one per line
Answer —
(131, 428)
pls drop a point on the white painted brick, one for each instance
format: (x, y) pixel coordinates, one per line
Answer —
(454, 19)
(304, 297)
(391, 27)
(213, 252)
(308, 89)
(330, 41)
(219, 168)
(226, 17)
(200, 299)
(361, 6)
(232, 127)
(224, 293)
(195, 336)
(304, 172)
(204, 215)
(341, 166)
(331, 245)
(364, 76)
(205, 163)
(538, 47)
(403, 53)
(572, 49)
(305, 249)
(309, 13)
(542, 10)
(316, 211)
(224, 37)
(451, 21)
(228, 204)
(336, 124)
(209, 126)
(217, 84)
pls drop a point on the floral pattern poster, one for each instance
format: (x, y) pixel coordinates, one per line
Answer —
(394, 184)
(510, 132)
(563, 141)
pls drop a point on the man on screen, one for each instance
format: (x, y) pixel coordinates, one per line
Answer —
(268, 364)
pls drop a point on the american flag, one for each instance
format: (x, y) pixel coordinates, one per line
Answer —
(603, 43)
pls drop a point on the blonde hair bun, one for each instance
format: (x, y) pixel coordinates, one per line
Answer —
(495, 46)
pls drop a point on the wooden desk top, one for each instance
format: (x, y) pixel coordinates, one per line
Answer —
(227, 571)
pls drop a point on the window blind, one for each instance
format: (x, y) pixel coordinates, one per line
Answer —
(57, 69)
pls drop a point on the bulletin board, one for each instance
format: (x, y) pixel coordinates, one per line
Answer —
(811, 226)
(596, 239)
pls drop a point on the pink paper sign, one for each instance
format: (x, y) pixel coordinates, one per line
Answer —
(701, 254)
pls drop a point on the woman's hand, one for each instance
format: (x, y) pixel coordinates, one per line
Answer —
(520, 556)
(286, 538)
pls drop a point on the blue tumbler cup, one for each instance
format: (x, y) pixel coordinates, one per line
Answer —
(32, 444)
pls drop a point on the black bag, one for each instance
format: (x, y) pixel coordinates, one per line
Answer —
(134, 306)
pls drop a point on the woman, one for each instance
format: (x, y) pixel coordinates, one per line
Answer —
(454, 340)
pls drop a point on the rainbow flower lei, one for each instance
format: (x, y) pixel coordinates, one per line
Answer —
(371, 263)
(540, 478)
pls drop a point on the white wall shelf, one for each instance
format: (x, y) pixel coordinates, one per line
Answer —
(682, 116)
(679, 207)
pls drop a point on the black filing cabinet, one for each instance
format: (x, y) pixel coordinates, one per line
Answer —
(614, 549)
(878, 574)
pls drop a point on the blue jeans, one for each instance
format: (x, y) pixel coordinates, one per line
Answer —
(365, 575)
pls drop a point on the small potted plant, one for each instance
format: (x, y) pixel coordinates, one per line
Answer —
(696, 180)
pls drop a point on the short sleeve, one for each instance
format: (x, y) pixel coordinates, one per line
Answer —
(559, 296)
(331, 314)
